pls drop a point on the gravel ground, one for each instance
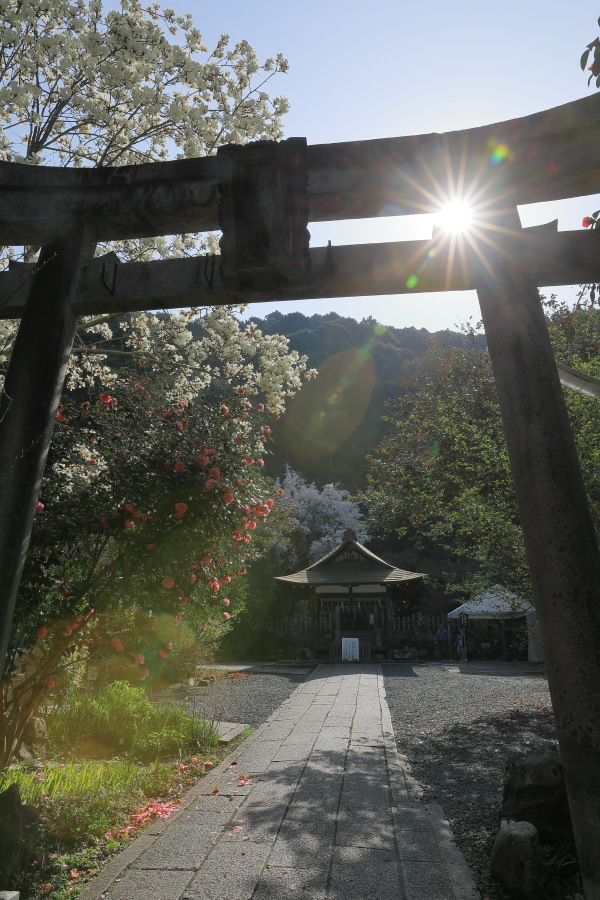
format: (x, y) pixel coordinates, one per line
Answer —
(250, 700)
(457, 725)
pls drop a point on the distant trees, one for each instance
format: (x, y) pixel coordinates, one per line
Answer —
(442, 473)
(334, 423)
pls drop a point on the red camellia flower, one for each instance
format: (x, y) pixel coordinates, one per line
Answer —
(179, 466)
(239, 440)
(168, 582)
(251, 525)
(129, 524)
(42, 632)
(226, 601)
(269, 503)
(226, 615)
(261, 406)
(50, 682)
(107, 400)
(169, 646)
(224, 409)
(162, 654)
(116, 643)
(214, 586)
(180, 510)
(192, 577)
(214, 473)
(61, 415)
(228, 497)
(39, 507)
(209, 485)
(226, 580)
(206, 560)
(168, 415)
(586, 222)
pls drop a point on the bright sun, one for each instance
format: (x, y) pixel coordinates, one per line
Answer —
(455, 217)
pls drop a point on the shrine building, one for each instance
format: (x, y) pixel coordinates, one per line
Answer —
(355, 599)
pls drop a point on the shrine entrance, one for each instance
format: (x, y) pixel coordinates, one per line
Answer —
(262, 197)
(353, 602)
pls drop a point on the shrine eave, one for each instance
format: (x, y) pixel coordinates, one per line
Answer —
(341, 577)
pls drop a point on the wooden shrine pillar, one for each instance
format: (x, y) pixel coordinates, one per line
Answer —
(387, 626)
(560, 540)
(30, 400)
(316, 621)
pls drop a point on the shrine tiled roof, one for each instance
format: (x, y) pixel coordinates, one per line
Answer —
(351, 563)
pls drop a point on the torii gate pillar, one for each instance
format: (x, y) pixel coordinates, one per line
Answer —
(29, 401)
(560, 541)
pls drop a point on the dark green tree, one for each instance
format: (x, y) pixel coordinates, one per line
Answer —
(442, 474)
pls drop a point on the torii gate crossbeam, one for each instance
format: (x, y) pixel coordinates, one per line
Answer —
(548, 156)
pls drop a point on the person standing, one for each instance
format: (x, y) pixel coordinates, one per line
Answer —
(442, 642)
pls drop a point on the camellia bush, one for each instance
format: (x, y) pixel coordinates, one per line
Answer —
(149, 508)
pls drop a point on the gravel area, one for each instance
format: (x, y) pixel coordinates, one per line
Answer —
(250, 699)
(457, 725)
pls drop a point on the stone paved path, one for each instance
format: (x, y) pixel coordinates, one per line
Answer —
(326, 815)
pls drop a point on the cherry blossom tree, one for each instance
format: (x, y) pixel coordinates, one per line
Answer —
(320, 516)
(81, 86)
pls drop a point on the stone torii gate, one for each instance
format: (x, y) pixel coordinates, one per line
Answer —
(263, 196)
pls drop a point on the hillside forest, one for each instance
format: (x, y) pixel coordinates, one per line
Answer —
(405, 424)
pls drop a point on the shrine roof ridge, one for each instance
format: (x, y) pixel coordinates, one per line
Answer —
(337, 568)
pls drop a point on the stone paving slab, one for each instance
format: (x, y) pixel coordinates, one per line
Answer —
(325, 814)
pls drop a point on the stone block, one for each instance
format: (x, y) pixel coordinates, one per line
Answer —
(535, 792)
(367, 873)
(230, 873)
(140, 884)
(517, 861)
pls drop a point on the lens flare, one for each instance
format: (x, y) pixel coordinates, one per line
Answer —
(455, 217)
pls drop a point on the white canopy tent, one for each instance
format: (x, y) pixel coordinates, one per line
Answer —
(498, 603)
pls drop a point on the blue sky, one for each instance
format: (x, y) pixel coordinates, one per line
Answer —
(383, 69)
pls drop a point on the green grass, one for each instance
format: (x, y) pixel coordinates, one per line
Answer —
(90, 806)
(81, 801)
(120, 718)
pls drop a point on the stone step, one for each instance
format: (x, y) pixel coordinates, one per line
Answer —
(228, 731)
